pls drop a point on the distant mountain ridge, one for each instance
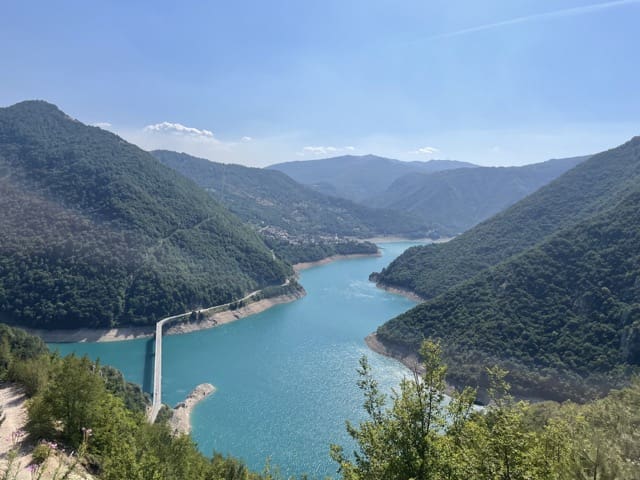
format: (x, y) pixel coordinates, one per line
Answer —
(95, 232)
(358, 177)
(584, 190)
(298, 222)
(453, 201)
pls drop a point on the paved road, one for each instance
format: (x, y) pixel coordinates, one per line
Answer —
(157, 369)
(157, 364)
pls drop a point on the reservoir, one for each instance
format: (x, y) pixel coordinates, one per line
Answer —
(285, 378)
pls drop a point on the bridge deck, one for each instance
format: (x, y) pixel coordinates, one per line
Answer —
(157, 361)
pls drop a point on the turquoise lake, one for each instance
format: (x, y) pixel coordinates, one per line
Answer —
(286, 377)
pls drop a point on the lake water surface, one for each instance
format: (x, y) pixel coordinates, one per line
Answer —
(285, 378)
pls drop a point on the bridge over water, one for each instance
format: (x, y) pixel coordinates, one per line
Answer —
(157, 363)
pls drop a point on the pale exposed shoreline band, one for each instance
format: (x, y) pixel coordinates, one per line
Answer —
(133, 333)
(180, 422)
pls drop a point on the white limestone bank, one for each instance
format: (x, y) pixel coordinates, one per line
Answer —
(184, 326)
(180, 421)
(409, 359)
(401, 291)
(298, 267)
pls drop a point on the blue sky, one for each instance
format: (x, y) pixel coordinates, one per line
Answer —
(257, 82)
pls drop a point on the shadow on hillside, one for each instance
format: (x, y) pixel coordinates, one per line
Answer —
(147, 376)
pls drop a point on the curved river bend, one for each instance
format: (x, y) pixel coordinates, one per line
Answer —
(285, 378)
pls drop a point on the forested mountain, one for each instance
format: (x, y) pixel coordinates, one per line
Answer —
(96, 232)
(358, 177)
(563, 316)
(265, 197)
(453, 201)
(592, 186)
(299, 223)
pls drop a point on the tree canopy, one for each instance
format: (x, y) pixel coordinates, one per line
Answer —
(97, 233)
(453, 201)
(298, 223)
(548, 288)
(591, 187)
(416, 435)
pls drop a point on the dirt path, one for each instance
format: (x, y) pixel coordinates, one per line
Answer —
(15, 416)
(12, 400)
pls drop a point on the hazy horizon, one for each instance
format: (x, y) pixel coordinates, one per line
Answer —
(495, 83)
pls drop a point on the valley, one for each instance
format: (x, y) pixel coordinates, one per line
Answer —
(545, 289)
(282, 363)
(337, 240)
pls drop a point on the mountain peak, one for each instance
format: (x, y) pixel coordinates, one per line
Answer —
(357, 177)
(41, 106)
(103, 204)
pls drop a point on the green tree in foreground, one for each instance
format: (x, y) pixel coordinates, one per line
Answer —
(406, 441)
(83, 407)
(420, 435)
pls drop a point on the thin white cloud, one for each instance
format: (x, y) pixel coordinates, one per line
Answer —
(425, 151)
(180, 138)
(246, 139)
(567, 12)
(102, 125)
(326, 150)
(178, 129)
(318, 150)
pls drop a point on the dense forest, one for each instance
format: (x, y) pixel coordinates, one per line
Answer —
(453, 201)
(79, 406)
(562, 316)
(594, 185)
(298, 223)
(441, 203)
(269, 198)
(74, 406)
(415, 434)
(358, 177)
(97, 233)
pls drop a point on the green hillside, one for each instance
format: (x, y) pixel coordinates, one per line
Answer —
(358, 177)
(399, 438)
(97, 233)
(563, 316)
(453, 201)
(592, 186)
(297, 222)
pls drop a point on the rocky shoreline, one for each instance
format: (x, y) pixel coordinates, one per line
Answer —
(298, 267)
(395, 239)
(411, 361)
(185, 326)
(401, 291)
(210, 321)
(228, 316)
(180, 421)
